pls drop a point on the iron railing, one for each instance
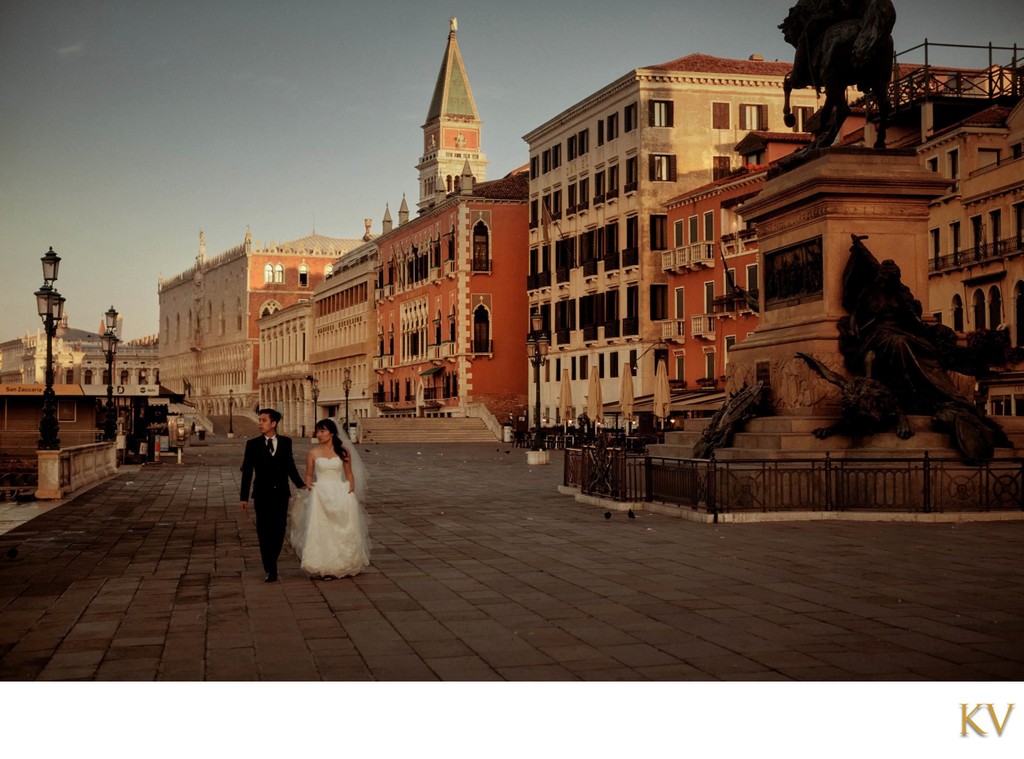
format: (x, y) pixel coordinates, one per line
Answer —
(913, 485)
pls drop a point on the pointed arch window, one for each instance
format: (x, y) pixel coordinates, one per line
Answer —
(979, 309)
(995, 307)
(958, 314)
(268, 274)
(1018, 309)
(481, 331)
(279, 275)
(481, 247)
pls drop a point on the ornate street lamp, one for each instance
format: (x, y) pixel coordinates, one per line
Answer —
(314, 392)
(347, 384)
(231, 412)
(537, 344)
(110, 341)
(50, 306)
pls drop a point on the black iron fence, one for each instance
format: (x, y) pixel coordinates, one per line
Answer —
(913, 485)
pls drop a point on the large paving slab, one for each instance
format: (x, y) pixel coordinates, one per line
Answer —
(482, 571)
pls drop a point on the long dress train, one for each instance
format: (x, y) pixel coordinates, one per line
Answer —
(329, 527)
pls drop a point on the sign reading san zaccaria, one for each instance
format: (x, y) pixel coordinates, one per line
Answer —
(793, 275)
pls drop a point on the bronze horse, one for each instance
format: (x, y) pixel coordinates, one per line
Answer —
(839, 44)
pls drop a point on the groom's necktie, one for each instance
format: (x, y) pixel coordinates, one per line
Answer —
(270, 446)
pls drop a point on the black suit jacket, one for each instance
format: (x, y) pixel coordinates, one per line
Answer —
(271, 472)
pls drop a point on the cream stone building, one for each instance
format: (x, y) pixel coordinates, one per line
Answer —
(284, 366)
(209, 337)
(343, 336)
(600, 174)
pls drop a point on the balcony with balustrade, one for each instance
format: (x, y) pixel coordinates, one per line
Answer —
(673, 330)
(703, 326)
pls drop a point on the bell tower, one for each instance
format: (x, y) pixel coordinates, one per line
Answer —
(451, 133)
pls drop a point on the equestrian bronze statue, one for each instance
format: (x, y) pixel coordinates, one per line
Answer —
(840, 44)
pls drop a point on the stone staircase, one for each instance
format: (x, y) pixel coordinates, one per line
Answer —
(790, 437)
(243, 426)
(427, 430)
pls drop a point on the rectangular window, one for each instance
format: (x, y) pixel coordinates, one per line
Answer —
(611, 305)
(933, 235)
(803, 115)
(583, 367)
(556, 156)
(954, 237)
(613, 364)
(570, 148)
(632, 301)
(680, 303)
(752, 273)
(661, 113)
(709, 226)
(753, 117)
(613, 180)
(612, 127)
(599, 187)
(709, 297)
(659, 232)
(692, 229)
(632, 233)
(932, 164)
(678, 240)
(584, 199)
(571, 197)
(583, 142)
(600, 132)
(556, 204)
(534, 164)
(611, 237)
(662, 168)
(709, 365)
(721, 166)
(533, 213)
(629, 118)
(680, 366)
(720, 116)
(659, 302)
(953, 164)
(545, 161)
(631, 174)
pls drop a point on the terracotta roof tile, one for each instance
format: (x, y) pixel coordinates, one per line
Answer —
(709, 64)
(512, 186)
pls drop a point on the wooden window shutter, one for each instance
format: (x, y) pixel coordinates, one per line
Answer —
(743, 117)
(762, 116)
(670, 113)
(672, 168)
(650, 167)
(650, 113)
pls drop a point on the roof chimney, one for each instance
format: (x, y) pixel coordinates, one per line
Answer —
(756, 57)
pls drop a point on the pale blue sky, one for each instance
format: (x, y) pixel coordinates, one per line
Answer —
(126, 127)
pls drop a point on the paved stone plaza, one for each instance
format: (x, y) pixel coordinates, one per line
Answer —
(482, 571)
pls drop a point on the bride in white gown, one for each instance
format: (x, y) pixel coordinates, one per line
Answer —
(329, 527)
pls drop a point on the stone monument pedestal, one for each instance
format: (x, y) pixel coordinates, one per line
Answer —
(805, 217)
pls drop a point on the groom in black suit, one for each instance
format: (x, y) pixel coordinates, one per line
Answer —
(269, 457)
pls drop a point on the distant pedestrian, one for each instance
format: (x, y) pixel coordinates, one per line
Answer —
(269, 458)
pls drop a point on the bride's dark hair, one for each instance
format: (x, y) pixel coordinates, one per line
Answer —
(330, 426)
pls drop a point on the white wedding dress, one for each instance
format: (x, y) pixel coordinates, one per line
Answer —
(329, 527)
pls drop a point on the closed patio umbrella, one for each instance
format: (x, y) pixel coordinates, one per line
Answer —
(595, 403)
(419, 394)
(662, 395)
(626, 395)
(565, 398)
